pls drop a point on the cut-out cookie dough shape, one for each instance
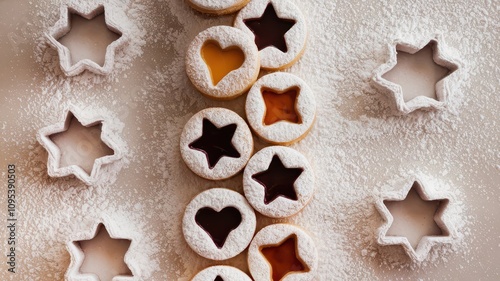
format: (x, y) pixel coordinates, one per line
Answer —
(79, 145)
(72, 64)
(222, 62)
(421, 219)
(278, 29)
(282, 252)
(216, 143)
(219, 7)
(280, 108)
(415, 76)
(101, 254)
(221, 273)
(218, 224)
(278, 181)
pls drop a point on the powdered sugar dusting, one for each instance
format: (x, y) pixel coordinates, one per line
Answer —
(357, 147)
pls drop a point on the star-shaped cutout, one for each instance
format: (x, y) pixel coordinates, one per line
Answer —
(415, 75)
(419, 222)
(281, 106)
(80, 28)
(218, 278)
(278, 180)
(78, 145)
(99, 257)
(216, 142)
(269, 29)
(283, 258)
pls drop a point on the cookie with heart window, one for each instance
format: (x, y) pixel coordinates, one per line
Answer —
(218, 224)
(222, 62)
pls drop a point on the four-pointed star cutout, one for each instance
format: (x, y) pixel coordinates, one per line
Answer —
(281, 106)
(269, 29)
(216, 142)
(414, 219)
(278, 180)
(283, 258)
(102, 256)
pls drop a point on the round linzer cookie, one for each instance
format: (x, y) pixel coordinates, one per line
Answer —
(279, 31)
(221, 273)
(282, 252)
(218, 223)
(216, 143)
(219, 7)
(280, 108)
(278, 181)
(222, 62)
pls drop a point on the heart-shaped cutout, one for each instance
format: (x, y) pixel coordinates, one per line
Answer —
(221, 61)
(218, 224)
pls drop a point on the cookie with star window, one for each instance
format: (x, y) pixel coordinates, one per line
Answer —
(278, 28)
(278, 181)
(282, 252)
(216, 143)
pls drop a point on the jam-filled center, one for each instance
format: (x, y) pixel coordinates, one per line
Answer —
(218, 278)
(278, 180)
(281, 106)
(283, 258)
(216, 142)
(218, 224)
(269, 29)
(221, 61)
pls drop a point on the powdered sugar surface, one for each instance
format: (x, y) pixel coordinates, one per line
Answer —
(358, 147)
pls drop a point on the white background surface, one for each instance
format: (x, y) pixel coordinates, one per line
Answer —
(355, 146)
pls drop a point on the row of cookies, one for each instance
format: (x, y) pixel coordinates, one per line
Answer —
(224, 62)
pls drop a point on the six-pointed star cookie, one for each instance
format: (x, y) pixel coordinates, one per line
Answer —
(422, 72)
(63, 27)
(414, 212)
(270, 29)
(99, 255)
(283, 258)
(88, 146)
(216, 142)
(278, 180)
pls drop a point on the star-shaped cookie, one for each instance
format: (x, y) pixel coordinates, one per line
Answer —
(435, 68)
(87, 128)
(63, 27)
(414, 212)
(100, 254)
